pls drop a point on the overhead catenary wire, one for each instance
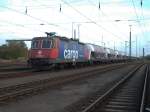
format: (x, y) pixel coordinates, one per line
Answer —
(137, 17)
(35, 18)
(142, 33)
(90, 19)
(20, 25)
(105, 15)
(142, 14)
(60, 7)
(30, 16)
(62, 12)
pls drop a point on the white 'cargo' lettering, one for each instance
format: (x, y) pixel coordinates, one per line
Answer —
(70, 54)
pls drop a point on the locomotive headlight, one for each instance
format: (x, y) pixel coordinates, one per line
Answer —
(39, 52)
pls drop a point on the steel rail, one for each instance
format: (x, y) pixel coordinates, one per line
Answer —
(6, 69)
(110, 91)
(144, 90)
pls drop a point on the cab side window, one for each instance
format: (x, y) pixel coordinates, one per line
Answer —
(46, 43)
(35, 44)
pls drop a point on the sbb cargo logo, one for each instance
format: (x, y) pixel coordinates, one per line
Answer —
(70, 54)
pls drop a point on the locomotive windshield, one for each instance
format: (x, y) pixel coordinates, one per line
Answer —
(35, 44)
(47, 43)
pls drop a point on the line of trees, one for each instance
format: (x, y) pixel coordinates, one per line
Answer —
(13, 50)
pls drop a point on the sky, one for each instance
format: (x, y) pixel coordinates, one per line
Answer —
(101, 22)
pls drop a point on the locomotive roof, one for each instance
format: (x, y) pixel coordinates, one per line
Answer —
(62, 38)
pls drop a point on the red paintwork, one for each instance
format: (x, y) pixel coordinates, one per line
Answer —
(54, 53)
(44, 53)
(86, 53)
(38, 53)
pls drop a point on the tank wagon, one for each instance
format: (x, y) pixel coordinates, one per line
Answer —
(56, 50)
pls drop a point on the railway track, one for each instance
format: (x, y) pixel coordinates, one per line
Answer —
(147, 99)
(32, 87)
(18, 68)
(6, 69)
(13, 67)
(22, 72)
(30, 72)
(128, 95)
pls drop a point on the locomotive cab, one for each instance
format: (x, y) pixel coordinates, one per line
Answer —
(43, 51)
